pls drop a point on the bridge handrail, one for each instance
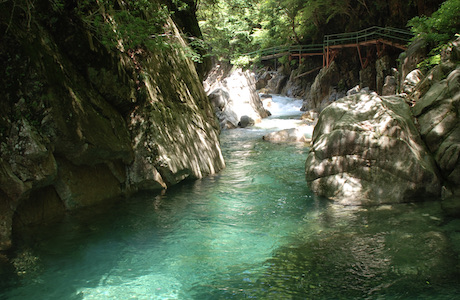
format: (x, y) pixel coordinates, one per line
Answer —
(371, 33)
(368, 34)
(289, 49)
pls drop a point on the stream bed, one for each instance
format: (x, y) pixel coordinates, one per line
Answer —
(254, 230)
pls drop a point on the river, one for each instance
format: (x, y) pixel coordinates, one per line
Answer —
(254, 230)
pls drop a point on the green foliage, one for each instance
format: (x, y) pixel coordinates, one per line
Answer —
(430, 62)
(241, 61)
(441, 26)
(122, 25)
(234, 27)
(438, 29)
(227, 25)
(129, 24)
(284, 59)
(433, 59)
(180, 5)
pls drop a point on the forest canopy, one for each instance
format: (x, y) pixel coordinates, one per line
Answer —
(233, 27)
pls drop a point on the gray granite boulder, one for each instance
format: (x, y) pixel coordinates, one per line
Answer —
(366, 150)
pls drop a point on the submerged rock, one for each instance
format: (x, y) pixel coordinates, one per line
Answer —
(438, 116)
(292, 135)
(89, 124)
(366, 150)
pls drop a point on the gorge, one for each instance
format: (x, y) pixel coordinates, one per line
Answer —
(122, 175)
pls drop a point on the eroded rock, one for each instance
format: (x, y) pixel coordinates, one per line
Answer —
(322, 86)
(366, 150)
(438, 116)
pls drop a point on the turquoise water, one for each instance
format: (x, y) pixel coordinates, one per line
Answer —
(252, 231)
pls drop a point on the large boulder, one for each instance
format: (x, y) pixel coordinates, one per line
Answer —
(245, 121)
(411, 81)
(262, 78)
(390, 86)
(222, 104)
(366, 150)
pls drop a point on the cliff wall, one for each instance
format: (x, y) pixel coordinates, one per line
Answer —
(82, 122)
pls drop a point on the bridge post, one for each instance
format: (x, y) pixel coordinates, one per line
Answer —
(360, 57)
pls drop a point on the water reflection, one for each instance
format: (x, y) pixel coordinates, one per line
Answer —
(392, 252)
(252, 231)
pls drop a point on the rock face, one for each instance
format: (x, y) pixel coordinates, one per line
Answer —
(366, 150)
(411, 81)
(321, 89)
(82, 125)
(417, 51)
(390, 86)
(438, 117)
(276, 84)
(233, 95)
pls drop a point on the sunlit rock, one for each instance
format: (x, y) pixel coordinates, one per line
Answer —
(310, 117)
(366, 150)
(353, 90)
(411, 81)
(233, 95)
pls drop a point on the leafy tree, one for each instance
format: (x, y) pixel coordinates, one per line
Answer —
(438, 29)
(232, 27)
(237, 26)
(227, 25)
(127, 24)
(441, 26)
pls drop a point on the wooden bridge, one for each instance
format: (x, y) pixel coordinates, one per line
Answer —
(378, 36)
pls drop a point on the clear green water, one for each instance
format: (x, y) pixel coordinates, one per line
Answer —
(252, 231)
